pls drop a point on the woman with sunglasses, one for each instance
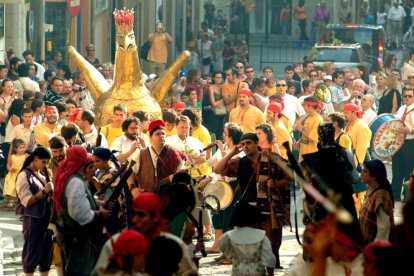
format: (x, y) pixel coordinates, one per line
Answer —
(33, 192)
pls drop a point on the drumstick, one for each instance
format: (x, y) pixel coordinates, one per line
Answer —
(342, 215)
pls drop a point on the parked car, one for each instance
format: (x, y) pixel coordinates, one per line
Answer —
(372, 38)
(344, 55)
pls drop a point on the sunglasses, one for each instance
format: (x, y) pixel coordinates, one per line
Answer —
(410, 77)
(313, 75)
(407, 96)
(239, 67)
(249, 72)
(279, 85)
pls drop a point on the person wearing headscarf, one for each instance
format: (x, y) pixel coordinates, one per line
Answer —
(129, 254)
(34, 205)
(309, 127)
(79, 217)
(147, 219)
(248, 246)
(378, 255)
(377, 212)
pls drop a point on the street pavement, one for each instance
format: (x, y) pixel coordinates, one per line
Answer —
(11, 243)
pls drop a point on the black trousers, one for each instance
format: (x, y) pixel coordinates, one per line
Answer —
(402, 166)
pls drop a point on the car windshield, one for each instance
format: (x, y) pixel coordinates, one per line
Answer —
(334, 54)
(350, 36)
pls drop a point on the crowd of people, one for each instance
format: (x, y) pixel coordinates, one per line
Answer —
(115, 199)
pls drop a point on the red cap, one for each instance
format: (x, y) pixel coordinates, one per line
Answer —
(246, 91)
(351, 107)
(276, 107)
(180, 105)
(155, 125)
(149, 202)
(129, 242)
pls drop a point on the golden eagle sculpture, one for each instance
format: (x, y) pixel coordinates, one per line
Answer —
(127, 88)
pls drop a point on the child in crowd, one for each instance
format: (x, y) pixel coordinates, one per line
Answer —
(270, 87)
(14, 165)
(248, 246)
(291, 87)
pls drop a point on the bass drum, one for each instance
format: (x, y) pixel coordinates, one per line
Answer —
(386, 141)
(220, 191)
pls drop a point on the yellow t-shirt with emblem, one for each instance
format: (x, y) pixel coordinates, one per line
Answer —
(310, 144)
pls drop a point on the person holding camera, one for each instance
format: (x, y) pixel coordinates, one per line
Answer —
(158, 53)
(81, 93)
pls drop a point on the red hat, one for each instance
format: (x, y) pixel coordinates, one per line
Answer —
(89, 158)
(246, 91)
(50, 108)
(353, 108)
(149, 202)
(180, 105)
(129, 242)
(155, 125)
(276, 107)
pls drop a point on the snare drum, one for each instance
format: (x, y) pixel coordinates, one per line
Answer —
(386, 141)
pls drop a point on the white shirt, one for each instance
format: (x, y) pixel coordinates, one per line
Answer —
(409, 119)
(292, 107)
(122, 144)
(369, 116)
(189, 143)
(79, 207)
(23, 187)
(396, 14)
(20, 132)
(91, 138)
(40, 71)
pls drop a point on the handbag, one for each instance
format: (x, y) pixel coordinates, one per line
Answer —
(144, 50)
(206, 61)
(220, 110)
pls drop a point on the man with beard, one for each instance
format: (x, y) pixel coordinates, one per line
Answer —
(48, 128)
(58, 147)
(130, 141)
(230, 89)
(246, 115)
(157, 163)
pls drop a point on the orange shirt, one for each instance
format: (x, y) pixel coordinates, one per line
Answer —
(158, 51)
(229, 90)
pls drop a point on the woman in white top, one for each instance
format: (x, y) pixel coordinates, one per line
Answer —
(206, 52)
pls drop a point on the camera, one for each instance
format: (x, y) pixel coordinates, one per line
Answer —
(80, 89)
(359, 96)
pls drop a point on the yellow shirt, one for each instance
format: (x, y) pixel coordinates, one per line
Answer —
(345, 141)
(172, 132)
(202, 134)
(43, 133)
(310, 127)
(158, 51)
(248, 118)
(287, 123)
(111, 133)
(229, 90)
(270, 91)
(281, 136)
(360, 135)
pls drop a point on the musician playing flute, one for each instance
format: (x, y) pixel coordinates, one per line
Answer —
(268, 189)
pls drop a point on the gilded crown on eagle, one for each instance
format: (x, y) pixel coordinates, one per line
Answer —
(124, 20)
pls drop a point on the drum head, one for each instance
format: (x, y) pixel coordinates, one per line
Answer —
(221, 190)
(386, 141)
